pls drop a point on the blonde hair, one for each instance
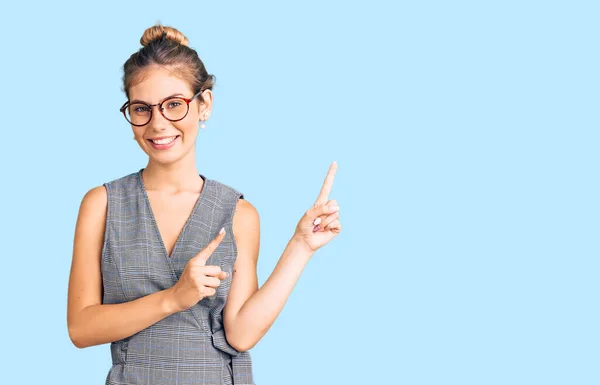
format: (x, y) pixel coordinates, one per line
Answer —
(167, 47)
(156, 32)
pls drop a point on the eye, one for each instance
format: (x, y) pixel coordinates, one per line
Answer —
(139, 108)
(174, 103)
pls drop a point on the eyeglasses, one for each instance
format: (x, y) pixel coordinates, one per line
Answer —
(173, 109)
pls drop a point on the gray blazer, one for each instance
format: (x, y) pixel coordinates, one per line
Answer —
(187, 347)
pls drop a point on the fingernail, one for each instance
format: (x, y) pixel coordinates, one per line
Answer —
(317, 221)
(222, 231)
(316, 228)
(334, 208)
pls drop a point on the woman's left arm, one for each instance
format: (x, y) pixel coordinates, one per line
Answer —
(249, 312)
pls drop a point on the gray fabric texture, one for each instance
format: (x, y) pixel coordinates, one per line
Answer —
(188, 347)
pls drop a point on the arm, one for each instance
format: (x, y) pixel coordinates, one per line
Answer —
(249, 312)
(90, 322)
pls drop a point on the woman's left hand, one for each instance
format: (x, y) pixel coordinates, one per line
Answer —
(320, 224)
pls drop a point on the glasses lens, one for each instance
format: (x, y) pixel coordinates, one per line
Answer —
(138, 113)
(175, 108)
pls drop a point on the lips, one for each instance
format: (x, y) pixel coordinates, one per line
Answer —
(163, 139)
(163, 143)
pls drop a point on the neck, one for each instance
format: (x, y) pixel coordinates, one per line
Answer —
(174, 177)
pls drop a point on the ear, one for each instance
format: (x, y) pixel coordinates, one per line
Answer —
(208, 100)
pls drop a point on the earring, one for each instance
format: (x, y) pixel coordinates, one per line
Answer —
(203, 120)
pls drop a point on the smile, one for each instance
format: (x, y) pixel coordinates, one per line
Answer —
(164, 143)
(163, 140)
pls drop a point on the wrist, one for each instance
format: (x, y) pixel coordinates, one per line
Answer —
(300, 245)
(169, 305)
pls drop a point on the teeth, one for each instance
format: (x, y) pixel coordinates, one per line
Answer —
(164, 140)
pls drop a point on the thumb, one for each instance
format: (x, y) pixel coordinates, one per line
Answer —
(201, 258)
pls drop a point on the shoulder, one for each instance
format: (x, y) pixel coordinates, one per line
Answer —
(123, 183)
(246, 222)
(246, 230)
(243, 208)
(95, 198)
(245, 211)
(222, 189)
(92, 214)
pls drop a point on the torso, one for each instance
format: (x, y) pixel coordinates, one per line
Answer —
(133, 266)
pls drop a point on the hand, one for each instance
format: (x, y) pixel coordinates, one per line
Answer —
(198, 280)
(320, 223)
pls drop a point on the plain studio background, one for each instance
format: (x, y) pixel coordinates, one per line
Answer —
(466, 136)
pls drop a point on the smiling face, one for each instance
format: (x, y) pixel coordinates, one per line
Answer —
(158, 83)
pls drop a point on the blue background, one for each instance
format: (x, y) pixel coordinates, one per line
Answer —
(466, 135)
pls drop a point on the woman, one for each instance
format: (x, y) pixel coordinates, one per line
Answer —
(164, 259)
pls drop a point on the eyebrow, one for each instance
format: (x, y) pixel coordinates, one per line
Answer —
(142, 101)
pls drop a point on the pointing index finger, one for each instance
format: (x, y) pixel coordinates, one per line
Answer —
(327, 184)
(205, 253)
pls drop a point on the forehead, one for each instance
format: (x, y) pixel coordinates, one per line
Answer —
(155, 83)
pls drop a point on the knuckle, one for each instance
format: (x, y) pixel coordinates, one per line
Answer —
(214, 270)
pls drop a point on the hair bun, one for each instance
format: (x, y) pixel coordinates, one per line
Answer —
(156, 32)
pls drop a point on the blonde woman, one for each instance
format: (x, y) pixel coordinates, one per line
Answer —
(164, 259)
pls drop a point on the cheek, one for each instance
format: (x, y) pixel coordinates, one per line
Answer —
(137, 132)
(189, 128)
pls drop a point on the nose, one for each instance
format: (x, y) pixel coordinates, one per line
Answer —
(157, 121)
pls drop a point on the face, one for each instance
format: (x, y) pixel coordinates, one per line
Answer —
(157, 84)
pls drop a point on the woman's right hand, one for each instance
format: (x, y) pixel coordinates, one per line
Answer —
(198, 280)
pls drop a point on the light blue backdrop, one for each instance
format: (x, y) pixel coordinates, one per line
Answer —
(466, 135)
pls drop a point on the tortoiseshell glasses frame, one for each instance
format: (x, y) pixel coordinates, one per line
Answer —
(177, 111)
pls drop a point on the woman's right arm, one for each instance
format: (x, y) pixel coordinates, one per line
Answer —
(89, 321)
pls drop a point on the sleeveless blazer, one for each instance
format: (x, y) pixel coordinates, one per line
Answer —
(188, 347)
